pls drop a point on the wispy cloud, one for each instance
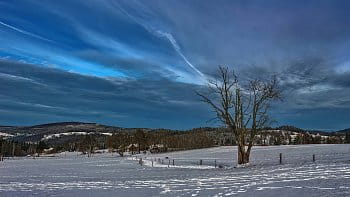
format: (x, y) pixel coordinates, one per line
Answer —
(26, 32)
(19, 78)
(178, 50)
(163, 34)
(146, 103)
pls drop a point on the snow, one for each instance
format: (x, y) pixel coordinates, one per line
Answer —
(109, 134)
(5, 134)
(57, 135)
(73, 174)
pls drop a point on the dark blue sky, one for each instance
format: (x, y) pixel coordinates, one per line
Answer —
(137, 63)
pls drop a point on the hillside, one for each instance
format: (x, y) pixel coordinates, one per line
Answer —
(344, 131)
(64, 132)
(59, 127)
(51, 130)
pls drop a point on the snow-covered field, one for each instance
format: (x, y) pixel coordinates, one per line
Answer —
(106, 175)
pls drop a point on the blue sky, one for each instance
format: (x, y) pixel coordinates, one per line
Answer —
(137, 64)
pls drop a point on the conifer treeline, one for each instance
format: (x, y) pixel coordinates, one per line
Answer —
(9, 148)
(158, 141)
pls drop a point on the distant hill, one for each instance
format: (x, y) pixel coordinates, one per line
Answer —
(61, 124)
(344, 131)
(70, 130)
(299, 130)
(290, 128)
(37, 132)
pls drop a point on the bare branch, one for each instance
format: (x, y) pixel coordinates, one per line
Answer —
(240, 108)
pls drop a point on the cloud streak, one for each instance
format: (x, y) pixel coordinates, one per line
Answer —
(25, 32)
(178, 50)
(136, 103)
(163, 34)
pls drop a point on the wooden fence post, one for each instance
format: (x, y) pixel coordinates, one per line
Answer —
(280, 158)
(152, 163)
(313, 158)
(173, 162)
(200, 162)
(140, 161)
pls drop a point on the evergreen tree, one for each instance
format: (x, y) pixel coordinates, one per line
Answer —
(347, 138)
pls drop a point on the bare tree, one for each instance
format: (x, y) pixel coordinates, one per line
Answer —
(243, 108)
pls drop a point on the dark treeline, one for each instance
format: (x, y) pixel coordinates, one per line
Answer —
(12, 148)
(290, 138)
(162, 140)
(135, 142)
(158, 141)
(347, 138)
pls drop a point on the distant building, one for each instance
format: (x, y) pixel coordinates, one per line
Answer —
(157, 148)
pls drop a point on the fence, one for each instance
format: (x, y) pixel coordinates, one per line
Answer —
(208, 162)
(293, 155)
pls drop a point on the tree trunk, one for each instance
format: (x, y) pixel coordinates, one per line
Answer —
(240, 158)
(243, 155)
